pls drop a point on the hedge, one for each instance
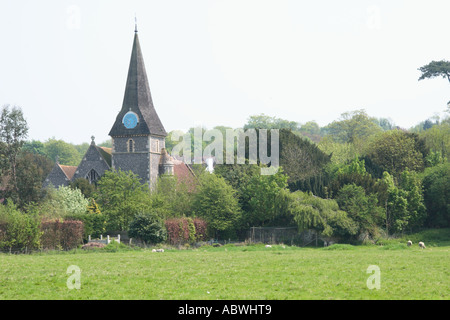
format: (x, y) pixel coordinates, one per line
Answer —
(185, 230)
(63, 235)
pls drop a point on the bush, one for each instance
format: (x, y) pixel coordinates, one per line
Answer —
(94, 224)
(148, 228)
(17, 230)
(186, 230)
(62, 235)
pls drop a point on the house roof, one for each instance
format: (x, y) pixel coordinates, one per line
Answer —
(184, 173)
(106, 154)
(138, 99)
(69, 171)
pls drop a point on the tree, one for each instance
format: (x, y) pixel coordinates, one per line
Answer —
(13, 132)
(121, 196)
(148, 228)
(34, 146)
(216, 202)
(436, 185)
(396, 205)
(437, 138)
(172, 197)
(32, 169)
(260, 198)
(66, 153)
(411, 183)
(71, 201)
(263, 121)
(396, 150)
(354, 126)
(86, 188)
(321, 215)
(361, 208)
(435, 69)
(302, 161)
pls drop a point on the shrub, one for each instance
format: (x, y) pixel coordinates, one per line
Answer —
(17, 230)
(63, 235)
(148, 228)
(186, 230)
(94, 224)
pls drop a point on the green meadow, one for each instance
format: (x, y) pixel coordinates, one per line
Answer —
(235, 272)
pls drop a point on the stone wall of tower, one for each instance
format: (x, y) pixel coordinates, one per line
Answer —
(156, 144)
(143, 160)
(136, 161)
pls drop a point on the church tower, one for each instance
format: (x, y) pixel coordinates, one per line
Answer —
(138, 136)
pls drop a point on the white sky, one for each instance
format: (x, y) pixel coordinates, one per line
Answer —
(216, 62)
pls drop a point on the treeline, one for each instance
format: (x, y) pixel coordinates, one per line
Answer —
(358, 178)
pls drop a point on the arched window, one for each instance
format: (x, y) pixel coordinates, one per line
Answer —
(130, 145)
(93, 176)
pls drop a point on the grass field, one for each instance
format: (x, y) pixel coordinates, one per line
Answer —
(232, 273)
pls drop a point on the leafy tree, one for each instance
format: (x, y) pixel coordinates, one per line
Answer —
(121, 196)
(396, 206)
(302, 161)
(411, 183)
(86, 188)
(32, 169)
(436, 185)
(148, 228)
(13, 132)
(260, 198)
(321, 215)
(35, 147)
(355, 173)
(435, 69)
(216, 202)
(172, 197)
(386, 124)
(437, 138)
(70, 201)
(353, 127)
(66, 153)
(263, 121)
(361, 208)
(341, 153)
(396, 150)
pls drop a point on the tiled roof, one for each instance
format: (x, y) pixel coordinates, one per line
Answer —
(184, 173)
(69, 171)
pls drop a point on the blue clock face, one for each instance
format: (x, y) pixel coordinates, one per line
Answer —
(130, 120)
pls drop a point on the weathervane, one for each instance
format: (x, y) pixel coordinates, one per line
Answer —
(135, 23)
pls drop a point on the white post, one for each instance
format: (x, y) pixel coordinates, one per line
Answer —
(89, 238)
(118, 238)
(107, 242)
(101, 237)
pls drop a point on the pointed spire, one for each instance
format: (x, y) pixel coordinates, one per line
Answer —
(135, 24)
(138, 99)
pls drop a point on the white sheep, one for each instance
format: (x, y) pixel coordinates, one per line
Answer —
(409, 243)
(422, 245)
(158, 250)
(268, 246)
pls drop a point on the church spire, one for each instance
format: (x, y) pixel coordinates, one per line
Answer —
(137, 100)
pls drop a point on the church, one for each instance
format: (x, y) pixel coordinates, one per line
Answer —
(138, 138)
